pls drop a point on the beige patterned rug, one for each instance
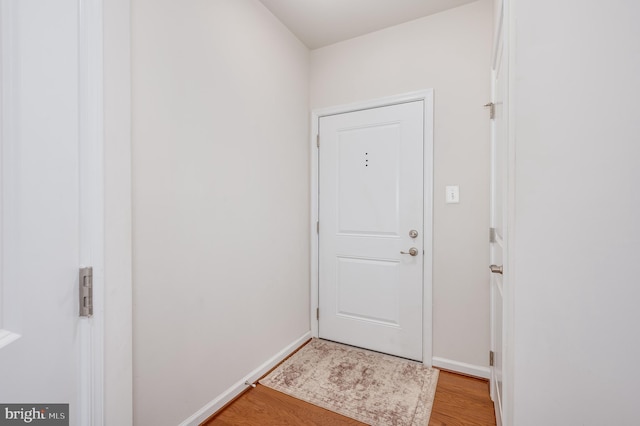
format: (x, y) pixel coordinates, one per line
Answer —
(367, 386)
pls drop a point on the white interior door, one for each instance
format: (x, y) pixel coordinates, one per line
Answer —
(499, 215)
(47, 194)
(371, 178)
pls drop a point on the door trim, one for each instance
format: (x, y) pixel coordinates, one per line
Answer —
(10, 324)
(425, 96)
(92, 227)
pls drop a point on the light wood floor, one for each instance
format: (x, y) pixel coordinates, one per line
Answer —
(460, 401)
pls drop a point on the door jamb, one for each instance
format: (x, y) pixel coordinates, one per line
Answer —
(9, 75)
(92, 228)
(425, 96)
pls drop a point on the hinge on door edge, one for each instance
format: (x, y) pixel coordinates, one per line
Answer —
(86, 292)
(492, 235)
(491, 357)
(318, 140)
(317, 227)
(318, 313)
(492, 110)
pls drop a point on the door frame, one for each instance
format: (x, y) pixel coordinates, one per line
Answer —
(90, 331)
(92, 206)
(425, 96)
(495, 57)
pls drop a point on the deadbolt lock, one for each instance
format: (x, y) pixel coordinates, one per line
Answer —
(413, 233)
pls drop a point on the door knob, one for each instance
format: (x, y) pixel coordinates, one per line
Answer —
(496, 269)
(412, 251)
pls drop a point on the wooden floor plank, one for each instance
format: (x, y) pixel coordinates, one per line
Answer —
(459, 401)
(264, 406)
(462, 400)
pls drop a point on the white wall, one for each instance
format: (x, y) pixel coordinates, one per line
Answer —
(220, 199)
(449, 52)
(118, 403)
(577, 229)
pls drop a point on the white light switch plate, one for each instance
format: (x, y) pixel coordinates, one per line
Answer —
(452, 194)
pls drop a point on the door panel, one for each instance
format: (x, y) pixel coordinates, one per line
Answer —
(371, 196)
(356, 277)
(41, 204)
(368, 182)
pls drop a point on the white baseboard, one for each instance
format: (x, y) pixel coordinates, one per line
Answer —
(226, 396)
(461, 367)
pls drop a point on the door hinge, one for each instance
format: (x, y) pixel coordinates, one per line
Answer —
(86, 292)
(317, 227)
(318, 313)
(492, 235)
(318, 140)
(491, 358)
(492, 110)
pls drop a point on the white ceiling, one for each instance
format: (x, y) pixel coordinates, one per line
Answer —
(319, 23)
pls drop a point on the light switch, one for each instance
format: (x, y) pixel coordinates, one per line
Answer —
(452, 194)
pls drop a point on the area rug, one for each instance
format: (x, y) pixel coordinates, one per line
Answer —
(367, 386)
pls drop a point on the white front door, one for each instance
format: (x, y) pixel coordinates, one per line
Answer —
(47, 194)
(371, 230)
(499, 216)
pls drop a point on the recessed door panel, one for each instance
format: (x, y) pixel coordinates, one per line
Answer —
(379, 279)
(369, 178)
